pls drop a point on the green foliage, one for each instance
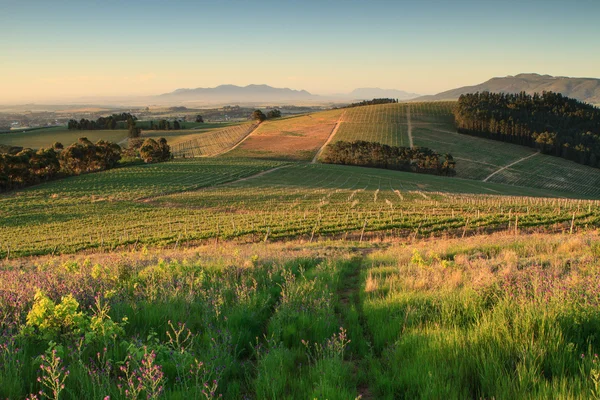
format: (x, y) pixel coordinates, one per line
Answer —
(553, 123)
(259, 116)
(377, 155)
(153, 151)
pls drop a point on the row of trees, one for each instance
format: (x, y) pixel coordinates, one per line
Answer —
(165, 125)
(377, 155)
(372, 102)
(109, 122)
(29, 167)
(551, 122)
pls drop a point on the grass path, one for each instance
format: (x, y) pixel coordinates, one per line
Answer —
(509, 165)
(353, 319)
(409, 123)
(331, 135)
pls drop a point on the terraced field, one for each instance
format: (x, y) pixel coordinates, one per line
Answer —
(212, 143)
(190, 200)
(293, 138)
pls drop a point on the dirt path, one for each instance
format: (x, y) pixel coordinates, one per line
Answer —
(331, 135)
(510, 165)
(238, 143)
(409, 123)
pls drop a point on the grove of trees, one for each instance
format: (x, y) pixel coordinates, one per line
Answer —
(258, 115)
(29, 167)
(274, 114)
(153, 151)
(109, 122)
(555, 124)
(377, 155)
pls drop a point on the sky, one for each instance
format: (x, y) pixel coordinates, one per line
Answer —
(71, 49)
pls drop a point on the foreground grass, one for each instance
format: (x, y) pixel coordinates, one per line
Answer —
(485, 317)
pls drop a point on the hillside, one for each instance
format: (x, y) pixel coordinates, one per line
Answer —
(583, 89)
(431, 124)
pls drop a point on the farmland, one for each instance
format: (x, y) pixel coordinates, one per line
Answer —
(190, 201)
(47, 137)
(293, 138)
(213, 142)
(247, 276)
(476, 158)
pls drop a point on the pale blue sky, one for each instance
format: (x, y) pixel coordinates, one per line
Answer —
(59, 48)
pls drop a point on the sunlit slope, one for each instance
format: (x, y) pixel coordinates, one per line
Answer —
(212, 143)
(292, 138)
(431, 124)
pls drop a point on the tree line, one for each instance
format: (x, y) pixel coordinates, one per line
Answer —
(109, 122)
(553, 123)
(377, 155)
(29, 167)
(372, 102)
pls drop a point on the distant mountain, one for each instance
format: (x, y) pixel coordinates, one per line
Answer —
(233, 93)
(583, 89)
(377, 93)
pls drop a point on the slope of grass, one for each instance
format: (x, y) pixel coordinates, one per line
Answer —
(482, 317)
(47, 137)
(293, 138)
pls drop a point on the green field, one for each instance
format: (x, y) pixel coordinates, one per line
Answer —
(47, 137)
(476, 158)
(160, 205)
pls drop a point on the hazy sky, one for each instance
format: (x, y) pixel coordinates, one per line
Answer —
(61, 49)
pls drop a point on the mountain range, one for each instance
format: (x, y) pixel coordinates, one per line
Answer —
(583, 89)
(265, 93)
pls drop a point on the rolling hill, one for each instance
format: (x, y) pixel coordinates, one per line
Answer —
(583, 89)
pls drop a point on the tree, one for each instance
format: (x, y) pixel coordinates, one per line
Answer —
(274, 114)
(199, 119)
(176, 125)
(258, 115)
(134, 131)
(153, 151)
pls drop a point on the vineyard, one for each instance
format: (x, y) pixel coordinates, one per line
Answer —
(190, 201)
(293, 138)
(212, 143)
(476, 158)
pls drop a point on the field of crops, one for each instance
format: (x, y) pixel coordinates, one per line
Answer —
(47, 137)
(212, 143)
(432, 126)
(499, 316)
(160, 205)
(189, 132)
(383, 124)
(293, 138)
